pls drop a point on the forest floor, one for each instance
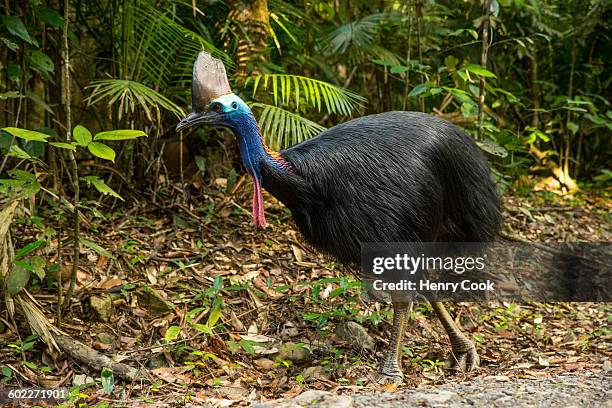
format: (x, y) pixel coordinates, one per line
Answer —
(221, 314)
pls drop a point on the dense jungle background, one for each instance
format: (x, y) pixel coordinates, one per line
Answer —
(129, 267)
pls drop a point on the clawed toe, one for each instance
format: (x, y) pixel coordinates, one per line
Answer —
(382, 379)
(463, 361)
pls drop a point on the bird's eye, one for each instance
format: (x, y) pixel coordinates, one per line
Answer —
(216, 107)
(235, 105)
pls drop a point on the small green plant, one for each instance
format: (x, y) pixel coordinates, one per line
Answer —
(7, 373)
(22, 183)
(24, 345)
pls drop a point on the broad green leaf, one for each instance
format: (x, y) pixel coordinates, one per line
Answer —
(34, 264)
(478, 70)
(10, 95)
(23, 175)
(101, 186)
(101, 150)
(215, 314)
(7, 372)
(399, 69)
(232, 346)
(573, 127)
(27, 182)
(18, 278)
(16, 151)
(172, 333)
(123, 134)
(383, 62)
(202, 328)
(247, 345)
(28, 248)
(96, 248)
(201, 163)
(40, 61)
(34, 148)
(15, 26)
(598, 120)
(574, 109)
(38, 266)
(11, 45)
(419, 89)
(81, 135)
(63, 145)
(26, 134)
(50, 16)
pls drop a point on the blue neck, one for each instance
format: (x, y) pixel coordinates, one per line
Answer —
(252, 148)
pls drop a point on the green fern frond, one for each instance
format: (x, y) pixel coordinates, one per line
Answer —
(282, 128)
(129, 95)
(166, 49)
(315, 93)
(359, 34)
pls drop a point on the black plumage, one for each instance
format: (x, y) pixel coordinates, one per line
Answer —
(390, 177)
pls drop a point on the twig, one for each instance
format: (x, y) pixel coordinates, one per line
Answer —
(483, 62)
(419, 18)
(97, 360)
(75, 169)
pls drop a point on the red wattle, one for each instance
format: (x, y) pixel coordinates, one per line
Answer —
(258, 211)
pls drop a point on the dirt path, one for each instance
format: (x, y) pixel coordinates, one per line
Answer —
(586, 389)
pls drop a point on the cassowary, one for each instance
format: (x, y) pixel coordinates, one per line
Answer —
(389, 177)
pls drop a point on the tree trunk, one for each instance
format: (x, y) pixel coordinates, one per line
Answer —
(252, 25)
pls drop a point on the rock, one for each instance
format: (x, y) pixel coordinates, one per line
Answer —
(264, 363)
(82, 379)
(102, 306)
(157, 360)
(152, 301)
(105, 338)
(439, 398)
(499, 378)
(569, 337)
(298, 353)
(233, 392)
(607, 366)
(289, 331)
(356, 335)
(315, 373)
(320, 399)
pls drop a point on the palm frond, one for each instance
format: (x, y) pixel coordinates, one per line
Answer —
(359, 34)
(315, 93)
(129, 95)
(167, 49)
(282, 128)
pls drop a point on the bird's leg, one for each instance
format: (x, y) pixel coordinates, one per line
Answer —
(464, 356)
(390, 370)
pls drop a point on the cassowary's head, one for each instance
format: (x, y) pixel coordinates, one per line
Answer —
(214, 103)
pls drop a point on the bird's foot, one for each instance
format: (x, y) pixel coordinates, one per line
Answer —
(388, 374)
(382, 379)
(463, 358)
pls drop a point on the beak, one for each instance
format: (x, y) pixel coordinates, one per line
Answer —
(204, 118)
